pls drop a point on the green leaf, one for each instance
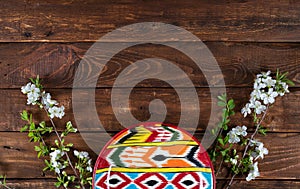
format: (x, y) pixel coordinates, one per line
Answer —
(56, 142)
(30, 134)
(24, 128)
(221, 103)
(231, 104)
(24, 115)
(227, 121)
(289, 82)
(226, 139)
(69, 145)
(30, 118)
(43, 124)
(39, 154)
(213, 131)
(262, 131)
(222, 97)
(32, 126)
(37, 148)
(57, 184)
(225, 127)
(223, 153)
(221, 141)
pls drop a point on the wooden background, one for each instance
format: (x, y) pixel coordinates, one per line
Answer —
(49, 38)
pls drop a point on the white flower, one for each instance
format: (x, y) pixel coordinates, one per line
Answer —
(238, 130)
(284, 87)
(57, 170)
(90, 162)
(33, 93)
(27, 88)
(261, 151)
(233, 161)
(89, 168)
(32, 97)
(76, 153)
(233, 137)
(258, 84)
(269, 81)
(254, 172)
(254, 142)
(269, 97)
(258, 107)
(56, 154)
(56, 112)
(47, 101)
(81, 155)
(54, 160)
(256, 94)
(264, 74)
(246, 110)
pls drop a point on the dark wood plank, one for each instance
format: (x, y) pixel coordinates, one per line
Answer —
(31, 183)
(56, 63)
(283, 117)
(261, 184)
(18, 158)
(83, 20)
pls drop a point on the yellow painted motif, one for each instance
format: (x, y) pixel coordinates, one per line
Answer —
(181, 142)
(142, 135)
(155, 170)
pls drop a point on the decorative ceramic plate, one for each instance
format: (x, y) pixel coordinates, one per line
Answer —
(153, 156)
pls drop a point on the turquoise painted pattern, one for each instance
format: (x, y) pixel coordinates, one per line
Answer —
(184, 180)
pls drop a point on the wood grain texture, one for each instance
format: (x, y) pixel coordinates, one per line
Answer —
(56, 63)
(283, 116)
(83, 20)
(261, 184)
(17, 156)
(50, 38)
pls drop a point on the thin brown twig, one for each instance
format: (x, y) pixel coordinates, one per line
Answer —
(220, 166)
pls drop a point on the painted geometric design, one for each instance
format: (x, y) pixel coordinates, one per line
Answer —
(186, 180)
(191, 181)
(114, 180)
(151, 180)
(153, 155)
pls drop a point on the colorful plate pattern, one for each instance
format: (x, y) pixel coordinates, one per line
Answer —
(153, 156)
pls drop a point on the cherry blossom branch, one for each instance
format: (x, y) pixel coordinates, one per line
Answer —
(60, 140)
(248, 144)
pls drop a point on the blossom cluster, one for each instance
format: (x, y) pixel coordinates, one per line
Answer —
(237, 148)
(260, 150)
(85, 157)
(266, 89)
(235, 133)
(59, 159)
(55, 160)
(254, 172)
(35, 96)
